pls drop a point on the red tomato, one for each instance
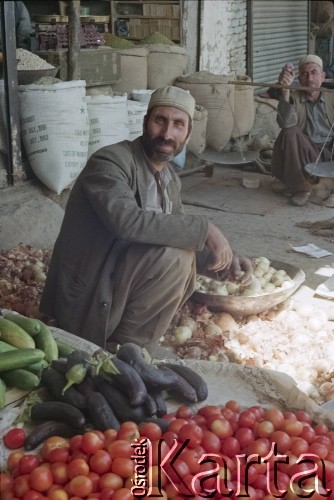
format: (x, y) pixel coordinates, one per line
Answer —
(33, 495)
(230, 446)
(41, 478)
(15, 438)
(246, 419)
(122, 466)
(193, 432)
(245, 436)
(59, 472)
(233, 405)
(51, 443)
(59, 455)
(120, 448)
(77, 467)
(210, 442)
(221, 427)
(75, 442)
(13, 459)
(151, 430)
(184, 412)
(110, 480)
(6, 482)
(128, 433)
(81, 486)
(125, 494)
(91, 442)
(21, 485)
(100, 462)
(58, 494)
(27, 463)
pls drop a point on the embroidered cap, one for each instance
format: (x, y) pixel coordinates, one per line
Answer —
(310, 58)
(174, 97)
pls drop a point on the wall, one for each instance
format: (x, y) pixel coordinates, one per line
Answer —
(223, 36)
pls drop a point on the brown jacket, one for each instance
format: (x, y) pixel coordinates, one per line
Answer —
(103, 216)
(293, 113)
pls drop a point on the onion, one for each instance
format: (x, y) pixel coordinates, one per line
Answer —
(182, 334)
(212, 329)
(190, 322)
(226, 322)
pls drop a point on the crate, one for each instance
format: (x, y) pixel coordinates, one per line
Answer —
(99, 66)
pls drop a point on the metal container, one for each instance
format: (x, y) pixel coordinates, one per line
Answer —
(238, 305)
(28, 76)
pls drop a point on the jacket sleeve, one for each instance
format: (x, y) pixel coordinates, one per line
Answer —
(286, 114)
(110, 185)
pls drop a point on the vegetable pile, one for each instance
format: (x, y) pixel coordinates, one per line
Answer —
(218, 452)
(265, 279)
(23, 271)
(27, 346)
(103, 391)
(294, 339)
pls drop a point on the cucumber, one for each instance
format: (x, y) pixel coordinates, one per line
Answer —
(30, 325)
(5, 347)
(2, 393)
(64, 349)
(44, 340)
(37, 367)
(15, 335)
(20, 358)
(21, 379)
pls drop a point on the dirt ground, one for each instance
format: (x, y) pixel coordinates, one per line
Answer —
(31, 215)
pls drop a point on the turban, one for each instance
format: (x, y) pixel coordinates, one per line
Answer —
(175, 98)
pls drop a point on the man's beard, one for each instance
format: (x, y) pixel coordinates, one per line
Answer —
(155, 155)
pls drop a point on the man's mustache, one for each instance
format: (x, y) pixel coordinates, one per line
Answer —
(160, 141)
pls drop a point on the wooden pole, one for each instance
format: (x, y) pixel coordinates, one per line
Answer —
(280, 86)
(74, 26)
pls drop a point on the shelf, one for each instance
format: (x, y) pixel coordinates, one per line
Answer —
(135, 19)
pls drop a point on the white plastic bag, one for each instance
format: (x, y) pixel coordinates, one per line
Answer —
(108, 117)
(55, 130)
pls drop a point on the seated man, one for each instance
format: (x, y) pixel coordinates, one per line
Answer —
(306, 118)
(124, 261)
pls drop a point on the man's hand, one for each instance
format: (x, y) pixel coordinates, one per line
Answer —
(286, 77)
(241, 269)
(221, 254)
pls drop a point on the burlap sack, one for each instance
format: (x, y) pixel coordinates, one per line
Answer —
(244, 107)
(197, 142)
(165, 64)
(217, 96)
(133, 64)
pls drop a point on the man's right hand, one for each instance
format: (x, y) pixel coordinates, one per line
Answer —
(286, 77)
(220, 251)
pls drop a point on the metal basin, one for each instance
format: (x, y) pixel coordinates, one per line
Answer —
(238, 305)
(28, 76)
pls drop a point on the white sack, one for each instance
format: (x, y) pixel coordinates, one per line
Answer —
(136, 112)
(108, 118)
(55, 130)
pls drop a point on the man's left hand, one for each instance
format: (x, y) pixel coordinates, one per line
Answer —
(241, 269)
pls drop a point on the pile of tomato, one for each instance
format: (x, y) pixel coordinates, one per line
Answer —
(218, 452)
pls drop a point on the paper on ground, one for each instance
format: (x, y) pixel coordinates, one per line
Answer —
(312, 250)
(326, 289)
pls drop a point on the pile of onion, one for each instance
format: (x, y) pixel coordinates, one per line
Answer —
(22, 275)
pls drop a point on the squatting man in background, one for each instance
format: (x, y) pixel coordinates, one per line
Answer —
(306, 118)
(125, 259)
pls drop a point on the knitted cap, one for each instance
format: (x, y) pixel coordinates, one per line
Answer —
(175, 98)
(310, 58)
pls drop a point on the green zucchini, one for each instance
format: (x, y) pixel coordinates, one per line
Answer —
(15, 335)
(2, 393)
(44, 340)
(20, 358)
(30, 325)
(21, 379)
(5, 347)
(37, 367)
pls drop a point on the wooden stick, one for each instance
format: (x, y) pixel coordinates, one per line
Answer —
(280, 86)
